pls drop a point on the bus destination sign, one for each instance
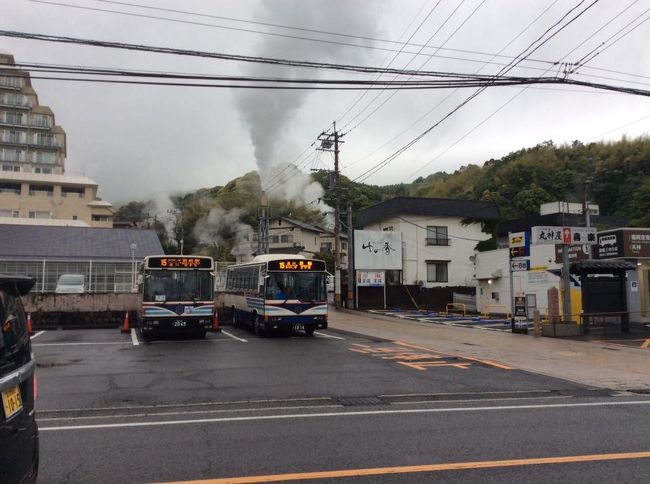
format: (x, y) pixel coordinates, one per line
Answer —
(180, 263)
(296, 265)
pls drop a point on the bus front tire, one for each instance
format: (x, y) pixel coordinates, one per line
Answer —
(257, 327)
(309, 331)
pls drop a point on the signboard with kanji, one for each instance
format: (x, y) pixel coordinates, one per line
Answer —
(377, 250)
(564, 235)
(370, 278)
(632, 243)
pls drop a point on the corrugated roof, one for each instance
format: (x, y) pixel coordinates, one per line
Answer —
(434, 207)
(51, 242)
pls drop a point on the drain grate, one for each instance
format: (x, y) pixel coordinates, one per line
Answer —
(359, 401)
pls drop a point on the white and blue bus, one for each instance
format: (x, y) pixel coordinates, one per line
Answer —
(277, 292)
(177, 295)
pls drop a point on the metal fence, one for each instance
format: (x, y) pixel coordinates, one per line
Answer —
(100, 276)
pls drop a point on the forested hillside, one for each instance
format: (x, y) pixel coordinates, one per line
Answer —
(617, 175)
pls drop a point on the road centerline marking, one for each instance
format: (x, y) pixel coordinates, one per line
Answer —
(449, 466)
(297, 416)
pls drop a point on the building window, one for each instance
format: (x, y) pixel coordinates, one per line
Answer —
(40, 215)
(10, 168)
(11, 155)
(41, 120)
(9, 213)
(11, 81)
(437, 271)
(72, 191)
(47, 190)
(10, 188)
(326, 247)
(74, 217)
(101, 218)
(8, 117)
(45, 139)
(388, 229)
(38, 169)
(437, 235)
(46, 157)
(286, 238)
(274, 239)
(344, 246)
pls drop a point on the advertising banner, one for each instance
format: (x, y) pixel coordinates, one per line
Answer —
(376, 250)
(563, 235)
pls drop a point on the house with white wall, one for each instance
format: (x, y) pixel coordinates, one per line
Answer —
(439, 237)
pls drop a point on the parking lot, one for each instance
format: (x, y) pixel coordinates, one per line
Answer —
(112, 408)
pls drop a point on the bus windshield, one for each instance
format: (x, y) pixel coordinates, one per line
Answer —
(181, 285)
(304, 286)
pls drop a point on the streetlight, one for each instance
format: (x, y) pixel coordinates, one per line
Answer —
(133, 286)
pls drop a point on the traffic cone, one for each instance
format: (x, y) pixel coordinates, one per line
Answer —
(29, 324)
(125, 328)
(216, 326)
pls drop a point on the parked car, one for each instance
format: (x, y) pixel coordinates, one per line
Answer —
(18, 429)
(71, 284)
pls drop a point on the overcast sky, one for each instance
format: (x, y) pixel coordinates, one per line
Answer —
(144, 141)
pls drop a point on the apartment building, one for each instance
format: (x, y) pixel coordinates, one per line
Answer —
(30, 140)
(33, 183)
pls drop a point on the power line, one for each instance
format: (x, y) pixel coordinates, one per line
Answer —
(496, 111)
(521, 57)
(454, 91)
(217, 55)
(366, 38)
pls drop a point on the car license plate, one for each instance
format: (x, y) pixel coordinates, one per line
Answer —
(12, 402)
(179, 324)
(298, 327)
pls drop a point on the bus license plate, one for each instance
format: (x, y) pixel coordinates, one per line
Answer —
(12, 402)
(179, 324)
(298, 327)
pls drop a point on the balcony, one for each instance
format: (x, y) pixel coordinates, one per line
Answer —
(10, 82)
(437, 241)
(13, 138)
(16, 101)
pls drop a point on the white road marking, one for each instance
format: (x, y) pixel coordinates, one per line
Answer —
(82, 344)
(328, 335)
(190, 412)
(37, 334)
(181, 405)
(343, 414)
(234, 337)
(134, 337)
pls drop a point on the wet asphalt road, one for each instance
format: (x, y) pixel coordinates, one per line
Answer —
(112, 408)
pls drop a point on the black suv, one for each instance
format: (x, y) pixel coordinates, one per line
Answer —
(18, 430)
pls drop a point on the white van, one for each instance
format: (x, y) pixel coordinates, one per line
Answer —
(71, 284)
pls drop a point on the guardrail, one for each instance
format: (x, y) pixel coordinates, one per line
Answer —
(455, 306)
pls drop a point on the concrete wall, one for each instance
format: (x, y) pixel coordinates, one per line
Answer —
(76, 303)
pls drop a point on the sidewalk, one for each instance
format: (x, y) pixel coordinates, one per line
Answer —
(596, 364)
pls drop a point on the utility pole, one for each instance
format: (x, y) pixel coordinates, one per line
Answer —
(587, 213)
(327, 141)
(350, 298)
